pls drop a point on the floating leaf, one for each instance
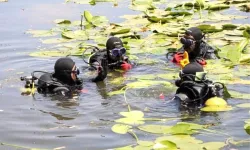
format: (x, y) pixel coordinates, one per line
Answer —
(165, 145)
(229, 26)
(121, 128)
(218, 7)
(42, 33)
(245, 105)
(156, 129)
(139, 147)
(78, 34)
(213, 145)
(116, 92)
(125, 148)
(49, 54)
(131, 121)
(206, 28)
(88, 16)
(192, 126)
(157, 20)
(145, 143)
(133, 114)
(236, 94)
(62, 21)
(247, 128)
(181, 129)
(55, 40)
(120, 31)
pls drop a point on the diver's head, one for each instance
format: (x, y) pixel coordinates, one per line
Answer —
(191, 41)
(115, 49)
(190, 70)
(66, 70)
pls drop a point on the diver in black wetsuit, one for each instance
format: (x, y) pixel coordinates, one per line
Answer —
(194, 90)
(64, 80)
(114, 53)
(198, 50)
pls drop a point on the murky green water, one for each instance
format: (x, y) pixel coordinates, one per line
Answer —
(84, 122)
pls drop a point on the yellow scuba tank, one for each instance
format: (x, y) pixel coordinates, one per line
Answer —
(216, 101)
(185, 60)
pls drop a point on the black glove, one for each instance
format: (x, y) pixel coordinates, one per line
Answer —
(102, 71)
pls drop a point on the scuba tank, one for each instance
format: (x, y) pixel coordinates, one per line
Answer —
(195, 91)
(47, 84)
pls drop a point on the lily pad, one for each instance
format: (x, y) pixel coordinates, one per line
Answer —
(121, 128)
(218, 7)
(62, 21)
(245, 105)
(247, 128)
(133, 114)
(165, 145)
(213, 145)
(145, 143)
(130, 121)
(158, 129)
(42, 33)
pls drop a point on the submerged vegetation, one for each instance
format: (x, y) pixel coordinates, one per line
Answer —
(153, 32)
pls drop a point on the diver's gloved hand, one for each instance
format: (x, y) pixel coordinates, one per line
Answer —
(102, 71)
(178, 57)
(201, 61)
(126, 66)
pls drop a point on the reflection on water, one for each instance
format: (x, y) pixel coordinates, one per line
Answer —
(83, 122)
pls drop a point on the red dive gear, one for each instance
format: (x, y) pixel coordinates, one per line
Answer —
(126, 66)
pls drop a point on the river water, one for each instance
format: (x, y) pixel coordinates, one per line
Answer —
(84, 122)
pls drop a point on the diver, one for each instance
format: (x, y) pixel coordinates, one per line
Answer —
(115, 54)
(194, 88)
(63, 80)
(194, 44)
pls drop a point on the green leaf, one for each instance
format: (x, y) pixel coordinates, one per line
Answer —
(218, 7)
(206, 28)
(130, 121)
(183, 142)
(99, 21)
(49, 54)
(229, 26)
(213, 145)
(125, 148)
(62, 21)
(120, 31)
(145, 143)
(55, 41)
(147, 83)
(88, 16)
(247, 128)
(165, 145)
(78, 34)
(42, 33)
(116, 92)
(245, 105)
(179, 13)
(158, 129)
(181, 129)
(239, 95)
(121, 128)
(157, 20)
(139, 147)
(133, 114)
(192, 126)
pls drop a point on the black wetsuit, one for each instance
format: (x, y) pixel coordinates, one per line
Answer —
(47, 84)
(193, 90)
(96, 58)
(205, 51)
